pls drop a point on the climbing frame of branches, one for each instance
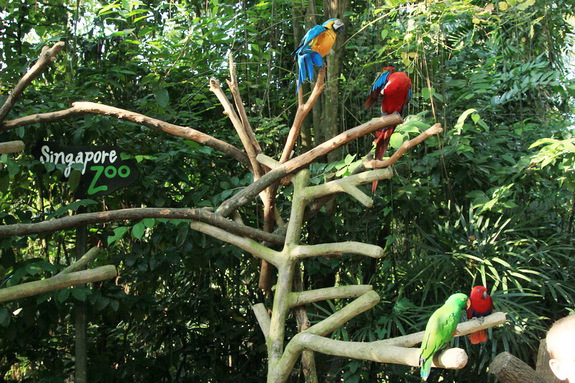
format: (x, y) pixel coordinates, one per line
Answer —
(268, 173)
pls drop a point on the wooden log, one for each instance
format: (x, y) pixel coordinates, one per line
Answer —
(508, 368)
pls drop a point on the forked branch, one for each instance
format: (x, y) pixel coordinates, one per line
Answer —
(303, 160)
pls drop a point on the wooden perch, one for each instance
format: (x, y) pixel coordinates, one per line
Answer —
(396, 350)
(454, 358)
(349, 185)
(435, 129)
(11, 147)
(303, 160)
(263, 318)
(47, 56)
(463, 328)
(510, 369)
(303, 251)
(77, 220)
(59, 281)
(302, 112)
(280, 369)
(246, 244)
(234, 87)
(80, 108)
(81, 263)
(338, 292)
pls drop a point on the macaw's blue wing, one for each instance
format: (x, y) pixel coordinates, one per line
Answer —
(306, 60)
(376, 88)
(380, 81)
(308, 37)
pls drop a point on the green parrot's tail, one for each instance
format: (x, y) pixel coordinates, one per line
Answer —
(425, 367)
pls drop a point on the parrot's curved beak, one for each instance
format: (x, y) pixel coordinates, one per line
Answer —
(468, 305)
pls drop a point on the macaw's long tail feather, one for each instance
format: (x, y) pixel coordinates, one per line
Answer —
(381, 143)
(478, 336)
(425, 368)
(306, 60)
(371, 99)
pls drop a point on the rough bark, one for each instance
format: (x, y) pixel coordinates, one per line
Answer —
(510, 369)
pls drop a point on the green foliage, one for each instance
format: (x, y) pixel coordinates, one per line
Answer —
(477, 204)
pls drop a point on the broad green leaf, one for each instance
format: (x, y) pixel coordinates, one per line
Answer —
(162, 96)
(138, 230)
(118, 233)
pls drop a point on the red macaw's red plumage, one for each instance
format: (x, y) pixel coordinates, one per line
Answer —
(394, 90)
(481, 305)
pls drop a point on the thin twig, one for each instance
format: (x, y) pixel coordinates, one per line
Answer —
(47, 56)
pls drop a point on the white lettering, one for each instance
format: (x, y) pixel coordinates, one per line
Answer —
(83, 158)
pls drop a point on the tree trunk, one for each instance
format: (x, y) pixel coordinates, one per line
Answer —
(329, 125)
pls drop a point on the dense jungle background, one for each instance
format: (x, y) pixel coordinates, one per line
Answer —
(489, 201)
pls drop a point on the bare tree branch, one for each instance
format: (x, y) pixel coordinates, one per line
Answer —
(435, 129)
(263, 318)
(302, 112)
(463, 328)
(304, 251)
(11, 147)
(338, 292)
(299, 162)
(60, 281)
(454, 358)
(204, 215)
(279, 371)
(81, 263)
(80, 108)
(233, 84)
(240, 129)
(247, 244)
(47, 56)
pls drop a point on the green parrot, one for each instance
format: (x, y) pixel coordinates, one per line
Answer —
(440, 330)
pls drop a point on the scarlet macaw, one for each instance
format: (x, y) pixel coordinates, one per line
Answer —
(440, 330)
(481, 305)
(395, 91)
(313, 47)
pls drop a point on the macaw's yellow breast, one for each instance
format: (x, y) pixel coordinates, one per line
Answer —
(323, 43)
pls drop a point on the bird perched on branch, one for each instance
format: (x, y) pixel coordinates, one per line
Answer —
(481, 305)
(394, 90)
(440, 330)
(313, 47)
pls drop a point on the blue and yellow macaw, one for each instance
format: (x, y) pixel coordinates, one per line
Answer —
(316, 43)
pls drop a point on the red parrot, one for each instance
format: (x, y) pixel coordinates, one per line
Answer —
(395, 91)
(481, 305)
(313, 47)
